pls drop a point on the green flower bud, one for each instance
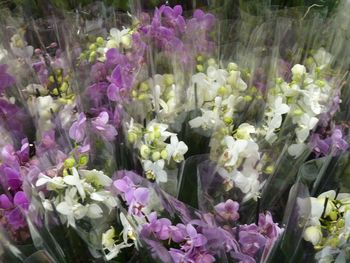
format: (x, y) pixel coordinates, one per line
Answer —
(269, 169)
(298, 112)
(333, 215)
(134, 93)
(169, 79)
(279, 81)
(228, 120)
(232, 66)
(164, 154)
(51, 79)
(248, 98)
(144, 86)
(211, 62)
(199, 59)
(55, 92)
(93, 47)
(69, 162)
(155, 156)
(320, 83)
(83, 160)
(92, 56)
(145, 151)
(100, 41)
(142, 96)
(200, 68)
(132, 137)
(64, 87)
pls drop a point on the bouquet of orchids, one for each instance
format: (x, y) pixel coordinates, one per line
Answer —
(174, 136)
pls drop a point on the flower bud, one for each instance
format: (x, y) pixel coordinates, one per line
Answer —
(132, 137)
(228, 120)
(232, 66)
(298, 112)
(83, 160)
(200, 68)
(69, 162)
(100, 41)
(169, 79)
(298, 72)
(126, 40)
(211, 62)
(164, 154)
(145, 151)
(313, 234)
(144, 86)
(155, 156)
(199, 59)
(64, 87)
(93, 47)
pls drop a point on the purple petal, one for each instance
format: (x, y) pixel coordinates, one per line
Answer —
(191, 231)
(20, 199)
(141, 195)
(5, 202)
(112, 92)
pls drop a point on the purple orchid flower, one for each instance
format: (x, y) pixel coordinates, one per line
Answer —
(173, 17)
(97, 92)
(6, 79)
(267, 227)
(78, 128)
(23, 153)
(136, 197)
(12, 118)
(98, 72)
(193, 239)
(251, 241)
(100, 126)
(47, 142)
(14, 209)
(139, 201)
(13, 177)
(159, 227)
(331, 142)
(42, 71)
(228, 210)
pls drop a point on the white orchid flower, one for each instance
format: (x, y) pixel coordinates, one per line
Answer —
(53, 183)
(296, 149)
(244, 131)
(74, 180)
(176, 149)
(96, 178)
(106, 198)
(119, 37)
(298, 72)
(305, 124)
(208, 121)
(71, 208)
(94, 211)
(157, 130)
(155, 170)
